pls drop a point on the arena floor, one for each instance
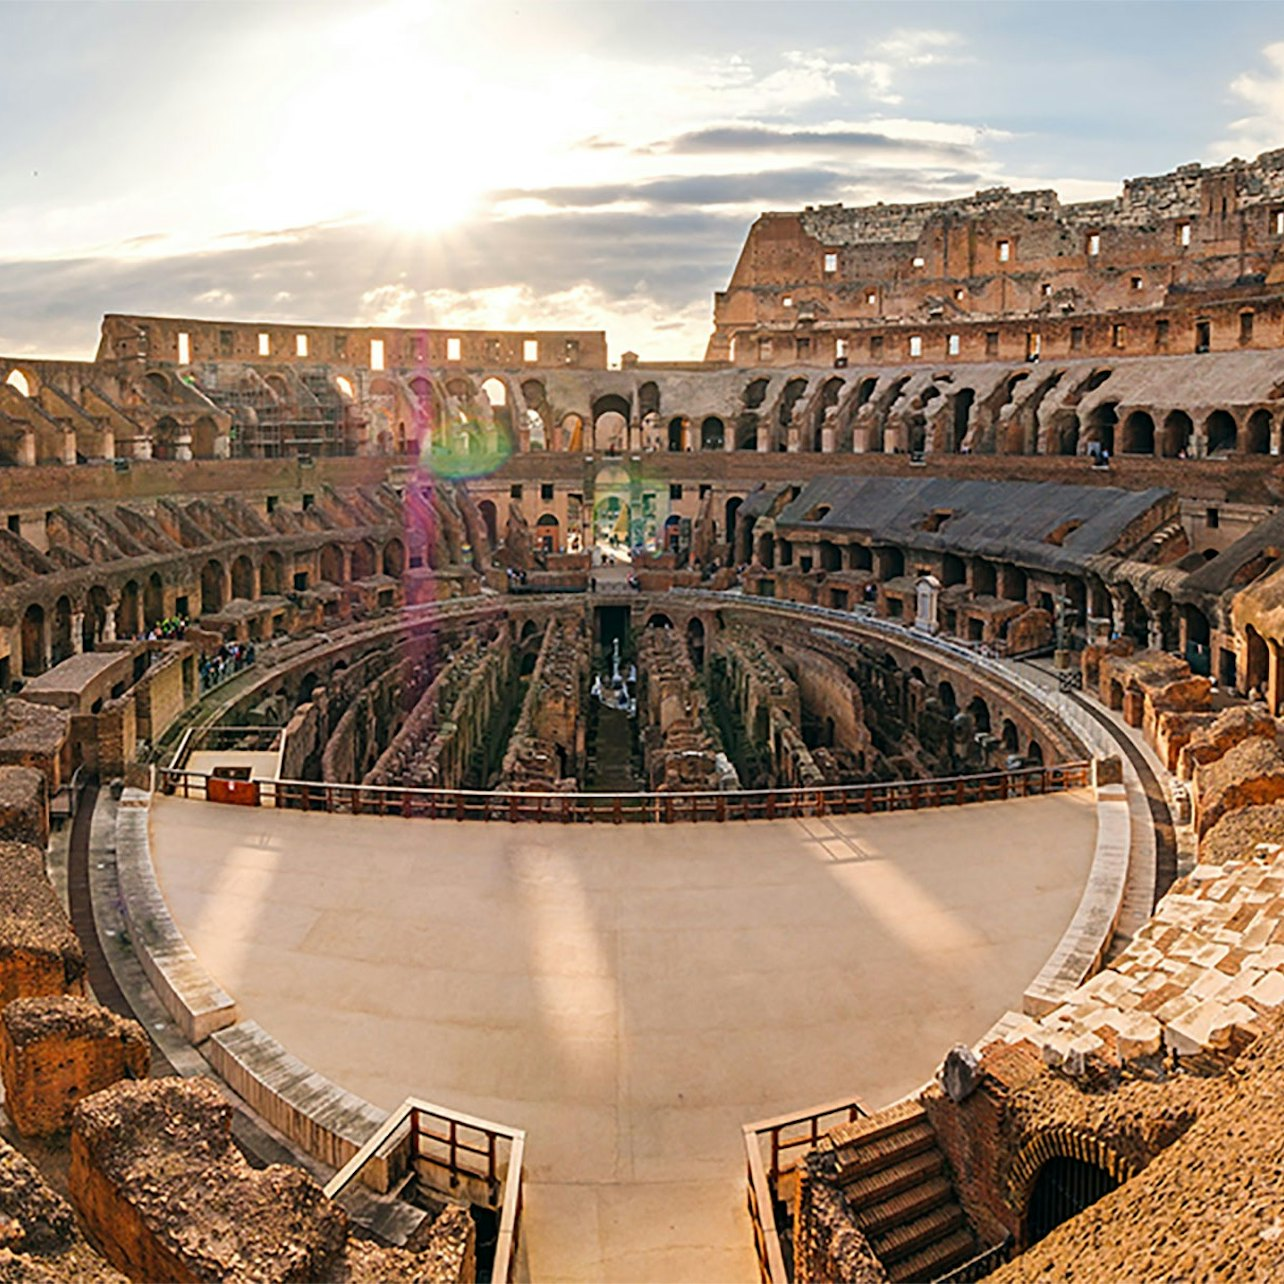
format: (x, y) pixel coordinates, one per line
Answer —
(629, 995)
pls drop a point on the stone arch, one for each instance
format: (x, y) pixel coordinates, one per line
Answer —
(610, 433)
(243, 578)
(1034, 754)
(271, 574)
(945, 694)
(1101, 425)
(1175, 441)
(129, 618)
(1257, 438)
(34, 651)
(95, 621)
(677, 433)
(211, 587)
(962, 417)
(829, 394)
(60, 647)
(331, 563)
(756, 393)
(649, 398)
(548, 533)
(1221, 433)
(658, 620)
(490, 519)
(165, 432)
(21, 382)
(1138, 434)
(153, 601)
(979, 712)
(394, 558)
(572, 432)
(204, 436)
(712, 433)
(1059, 1142)
(157, 382)
(794, 389)
(1257, 660)
(363, 560)
(1010, 737)
(730, 510)
(695, 640)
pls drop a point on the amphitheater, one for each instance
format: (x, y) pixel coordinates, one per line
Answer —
(814, 813)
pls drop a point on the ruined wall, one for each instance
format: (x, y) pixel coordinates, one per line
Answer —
(1136, 273)
(58, 1049)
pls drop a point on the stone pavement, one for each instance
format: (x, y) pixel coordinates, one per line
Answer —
(630, 995)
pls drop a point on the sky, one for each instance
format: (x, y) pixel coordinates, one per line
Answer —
(554, 164)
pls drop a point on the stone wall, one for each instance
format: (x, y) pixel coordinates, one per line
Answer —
(58, 1049)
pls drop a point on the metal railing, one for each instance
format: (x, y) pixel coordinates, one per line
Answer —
(978, 1267)
(460, 1157)
(770, 1158)
(653, 808)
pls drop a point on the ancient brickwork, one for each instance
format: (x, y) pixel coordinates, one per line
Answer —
(546, 748)
(39, 952)
(680, 746)
(24, 806)
(58, 1049)
(1014, 274)
(167, 1195)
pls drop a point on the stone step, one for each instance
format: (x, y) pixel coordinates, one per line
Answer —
(936, 1260)
(884, 1151)
(866, 1128)
(912, 1236)
(877, 1219)
(884, 1182)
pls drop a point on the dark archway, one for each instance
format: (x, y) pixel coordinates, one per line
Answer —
(332, 563)
(1101, 426)
(363, 560)
(1062, 1190)
(1259, 433)
(695, 640)
(676, 425)
(1176, 438)
(129, 620)
(211, 588)
(394, 558)
(33, 640)
(1221, 433)
(1138, 434)
(243, 578)
(271, 574)
(153, 601)
(712, 434)
(60, 643)
(490, 520)
(95, 621)
(962, 417)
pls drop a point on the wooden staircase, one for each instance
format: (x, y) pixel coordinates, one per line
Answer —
(894, 1177)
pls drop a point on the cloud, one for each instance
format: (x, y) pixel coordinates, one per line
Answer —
(1263, 93)
(748, 137)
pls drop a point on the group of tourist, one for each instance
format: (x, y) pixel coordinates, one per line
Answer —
(229, 659)
(173, 629)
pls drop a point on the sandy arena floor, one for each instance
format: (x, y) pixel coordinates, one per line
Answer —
(630, 995)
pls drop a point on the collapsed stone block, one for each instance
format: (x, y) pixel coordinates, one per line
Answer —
(39, 1239)
(1209, 743)
(39, 952)
(168, 1196)
(1250, 774)
(24, 806)
(56, 1049)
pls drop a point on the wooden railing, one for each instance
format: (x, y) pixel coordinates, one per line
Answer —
(458, 1156)
(655, 808)
(772, 1150)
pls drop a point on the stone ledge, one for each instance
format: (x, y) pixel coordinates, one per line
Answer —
(188, 993)
(1082, 949)
(328, 1122)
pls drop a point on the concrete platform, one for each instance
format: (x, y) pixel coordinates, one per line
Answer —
(629, 995)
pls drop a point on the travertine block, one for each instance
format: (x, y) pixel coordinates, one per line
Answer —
(54, 1050)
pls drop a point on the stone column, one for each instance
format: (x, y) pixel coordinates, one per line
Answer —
(77, 632)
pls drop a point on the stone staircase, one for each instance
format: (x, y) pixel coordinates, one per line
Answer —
(894, 1177)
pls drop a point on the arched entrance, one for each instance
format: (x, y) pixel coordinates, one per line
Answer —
(153, 601)
(1139, 434)
(712, 434)
(61, 642)
(1176, 439)
(1221, 433)
(487, 510)
(548, 533)
(1063, 1188)
(33, 640)
(211, 588)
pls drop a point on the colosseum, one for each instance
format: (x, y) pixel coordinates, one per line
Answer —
(471, 812)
